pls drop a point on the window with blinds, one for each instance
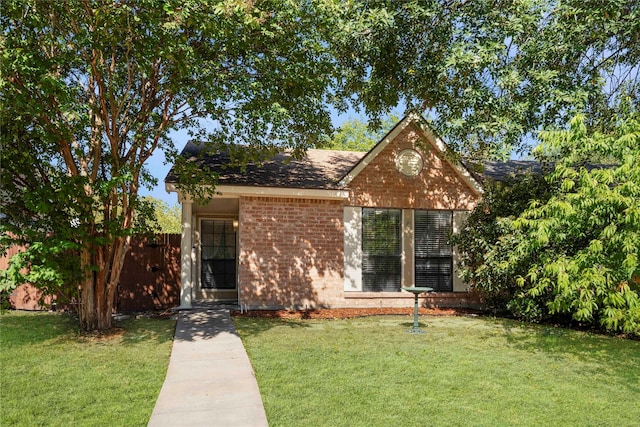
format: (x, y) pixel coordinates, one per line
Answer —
(433, 257)
(381, 250)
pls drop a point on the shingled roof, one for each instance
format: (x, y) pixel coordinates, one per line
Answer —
(502, 171)
(319, 169)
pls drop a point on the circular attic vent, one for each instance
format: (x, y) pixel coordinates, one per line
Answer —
(409, 162)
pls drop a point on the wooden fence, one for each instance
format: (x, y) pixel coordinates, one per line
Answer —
(150, 278)
(25, 297)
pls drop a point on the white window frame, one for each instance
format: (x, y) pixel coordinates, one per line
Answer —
(353, 249)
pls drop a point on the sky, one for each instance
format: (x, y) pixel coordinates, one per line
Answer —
(159, 169)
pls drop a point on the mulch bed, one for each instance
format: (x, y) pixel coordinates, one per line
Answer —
(347, 313)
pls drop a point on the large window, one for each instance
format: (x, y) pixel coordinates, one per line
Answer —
(433, 260)
(381, 250)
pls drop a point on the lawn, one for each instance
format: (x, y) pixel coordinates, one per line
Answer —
(52, 375)
(464, 371)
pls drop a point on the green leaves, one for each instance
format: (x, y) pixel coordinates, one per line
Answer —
(492, 74)
(91, 89)
(578, 252)
(355, 135)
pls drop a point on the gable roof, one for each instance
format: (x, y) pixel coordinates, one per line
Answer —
(334, 169)
(421, 126)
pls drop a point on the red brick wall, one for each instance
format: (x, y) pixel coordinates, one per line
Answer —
(292, 248)
(438, 186)
(291, 252)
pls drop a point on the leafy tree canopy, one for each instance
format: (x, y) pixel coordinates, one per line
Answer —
(490, 74)
(357, 135)
(168, 217)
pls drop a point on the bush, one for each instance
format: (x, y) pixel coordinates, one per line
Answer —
(477, 242)
(574, 251)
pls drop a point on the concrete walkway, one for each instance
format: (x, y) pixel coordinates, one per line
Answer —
(210, 380)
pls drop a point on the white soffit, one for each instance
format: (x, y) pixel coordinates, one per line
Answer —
(237, 190)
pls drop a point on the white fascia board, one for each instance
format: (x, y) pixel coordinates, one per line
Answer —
(239, 190)
(373, 153)
(182, 197)
(170, 187)
(236, 190)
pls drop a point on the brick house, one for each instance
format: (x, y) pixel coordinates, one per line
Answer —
(334, 229)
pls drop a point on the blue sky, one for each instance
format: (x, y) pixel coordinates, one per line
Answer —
(159, 169)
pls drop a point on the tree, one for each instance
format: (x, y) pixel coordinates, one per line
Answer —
(168, 217)
(586, 238)
(91, 89)
(357, 135)
(577, 252)
(492, 74)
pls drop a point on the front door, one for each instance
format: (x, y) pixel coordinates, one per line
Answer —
(218, 259)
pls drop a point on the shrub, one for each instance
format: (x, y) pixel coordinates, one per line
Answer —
(480, 261)
(576, 250)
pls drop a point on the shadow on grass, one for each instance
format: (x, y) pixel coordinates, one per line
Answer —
(33, 327)
(557, 342)
(410, 324)
(29, 328)
(157, 330)
(251, 326)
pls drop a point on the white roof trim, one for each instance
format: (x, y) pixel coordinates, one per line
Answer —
(462, 171)
(282, 192)
(373, 153)
(237, 190)
(431, 138)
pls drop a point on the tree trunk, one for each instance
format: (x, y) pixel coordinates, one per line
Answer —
(98, 289)
(95, 307)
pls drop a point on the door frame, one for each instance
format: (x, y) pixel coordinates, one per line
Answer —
(226, 295)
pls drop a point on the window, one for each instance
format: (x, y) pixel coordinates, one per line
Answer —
(433, 259)
(381, 250)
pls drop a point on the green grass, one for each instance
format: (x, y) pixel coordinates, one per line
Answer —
(463, 371)
(54, 376)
